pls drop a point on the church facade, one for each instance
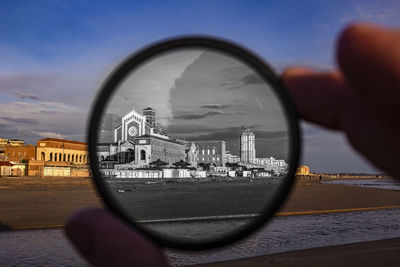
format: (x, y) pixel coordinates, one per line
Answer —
(138, 142)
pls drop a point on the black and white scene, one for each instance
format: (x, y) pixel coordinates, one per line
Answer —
(193, 144)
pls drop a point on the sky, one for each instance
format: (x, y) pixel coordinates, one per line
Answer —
(54, 55)
(205, 95)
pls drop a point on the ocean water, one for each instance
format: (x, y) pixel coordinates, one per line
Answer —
(388, 184)
(49, 247)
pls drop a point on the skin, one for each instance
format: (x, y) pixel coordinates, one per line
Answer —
(361, 99)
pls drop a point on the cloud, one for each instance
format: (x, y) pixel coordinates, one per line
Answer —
(20, 120)
(50, 134)
(249, 79)
(26, 96)
(216, 106)
(196, 116)
(378, 11)
(252, 79)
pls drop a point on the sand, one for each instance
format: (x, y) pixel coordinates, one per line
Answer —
(38, 202)
(372, 253)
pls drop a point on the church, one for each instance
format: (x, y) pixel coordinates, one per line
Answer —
(138, 142)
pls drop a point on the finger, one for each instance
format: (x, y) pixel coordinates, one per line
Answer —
(318, 97)
(106, 241)
(369, 57)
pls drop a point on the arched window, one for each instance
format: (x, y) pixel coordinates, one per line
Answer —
(43, 156)
(80, 159)
(69, 157)
(51, 156)
(55, 156)
(72, 158)
(142, 155)
(60, 157)
(64, 157)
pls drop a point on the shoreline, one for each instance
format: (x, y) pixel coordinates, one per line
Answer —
(371, 253)
(27, 203)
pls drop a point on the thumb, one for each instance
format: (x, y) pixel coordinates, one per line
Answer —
(104, 240)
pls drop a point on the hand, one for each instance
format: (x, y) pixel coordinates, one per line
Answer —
(362, 98)
(105, 240)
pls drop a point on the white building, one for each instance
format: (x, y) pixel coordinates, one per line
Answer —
(134, 124)
(247, 146)
(230, 158)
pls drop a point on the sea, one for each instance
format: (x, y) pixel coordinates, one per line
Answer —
(49, 247)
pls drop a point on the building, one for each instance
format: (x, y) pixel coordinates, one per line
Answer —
(247, 146)
(150, 148)
(138, 142)
(20, 153)
(303, 170)
(142, 151)
(231, 158)
(191, 154)
(211, 152)
(61, 150)
(134, 124)
(11, 142)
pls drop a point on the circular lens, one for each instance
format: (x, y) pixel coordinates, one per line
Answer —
(194, 142)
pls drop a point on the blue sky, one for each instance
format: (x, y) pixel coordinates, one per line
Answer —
(55, 54)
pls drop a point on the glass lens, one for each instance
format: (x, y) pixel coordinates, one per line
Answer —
(193, 144)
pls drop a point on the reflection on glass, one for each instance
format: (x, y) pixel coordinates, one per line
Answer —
(193, 144)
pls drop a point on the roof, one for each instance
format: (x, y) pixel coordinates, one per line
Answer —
(63, 141)
(158, 138)
(148, 108)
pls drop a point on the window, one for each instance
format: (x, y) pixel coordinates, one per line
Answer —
(213, 151)
(208, 151)
(142, 155)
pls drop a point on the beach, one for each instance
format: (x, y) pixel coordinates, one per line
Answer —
(47, 202)
(27, 203)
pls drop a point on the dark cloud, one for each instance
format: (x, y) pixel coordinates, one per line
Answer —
(270, 134)
(26, 96)
(7, 131)
(4, 126)
(216, 106)
(196, 116)
(47, 112)
(242, 82)
(20, 120)
(174, 130)
(252, 79)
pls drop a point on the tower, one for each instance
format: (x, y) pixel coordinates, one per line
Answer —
(150, 115)
(247, 145)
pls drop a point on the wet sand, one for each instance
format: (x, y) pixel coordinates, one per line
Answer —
(372, 253)
(35, 202)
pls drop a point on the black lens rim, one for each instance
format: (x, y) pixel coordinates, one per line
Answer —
(227, 47)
